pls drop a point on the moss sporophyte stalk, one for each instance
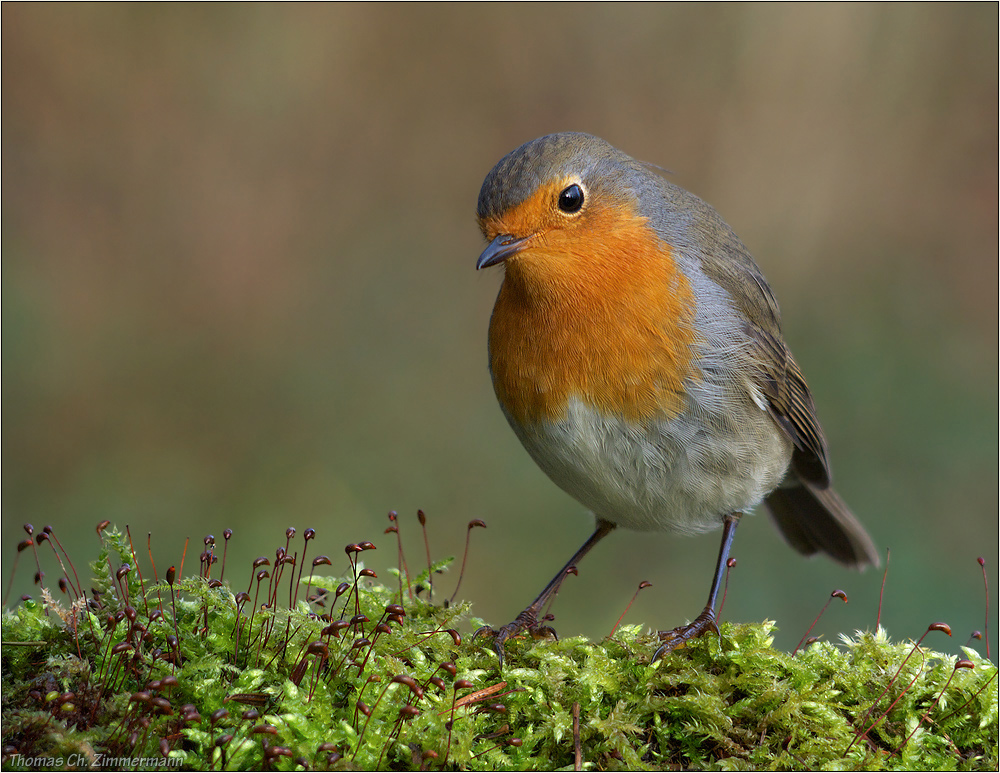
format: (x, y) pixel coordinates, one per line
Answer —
(276, 666)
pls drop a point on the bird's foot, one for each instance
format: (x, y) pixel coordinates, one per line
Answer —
(678, 637)
(527, 622)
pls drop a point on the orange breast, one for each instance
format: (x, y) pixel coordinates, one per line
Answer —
(598, 313)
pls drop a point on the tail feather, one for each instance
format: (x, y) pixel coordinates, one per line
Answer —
(815, 519)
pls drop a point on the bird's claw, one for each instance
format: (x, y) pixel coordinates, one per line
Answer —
(524, 622)
(680, 636)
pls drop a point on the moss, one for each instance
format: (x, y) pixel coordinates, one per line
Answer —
(209, 677)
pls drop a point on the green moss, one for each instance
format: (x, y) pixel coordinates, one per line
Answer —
(293, 696)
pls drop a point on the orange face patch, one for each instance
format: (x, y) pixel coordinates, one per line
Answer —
(594, 308)
(535, 214)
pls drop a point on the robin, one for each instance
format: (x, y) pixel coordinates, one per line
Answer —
(636, 350)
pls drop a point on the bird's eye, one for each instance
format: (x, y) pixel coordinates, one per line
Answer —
(571, 199)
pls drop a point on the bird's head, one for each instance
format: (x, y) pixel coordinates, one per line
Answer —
(562, 206)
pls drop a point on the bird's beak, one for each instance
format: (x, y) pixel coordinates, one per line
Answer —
(501, 248)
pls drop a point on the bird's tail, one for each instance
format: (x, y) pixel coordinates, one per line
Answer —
(816, 519)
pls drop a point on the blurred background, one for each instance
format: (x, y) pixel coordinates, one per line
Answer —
(239, 286)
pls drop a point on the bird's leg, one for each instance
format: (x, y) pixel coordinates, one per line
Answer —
(528, 619)
(705, 622)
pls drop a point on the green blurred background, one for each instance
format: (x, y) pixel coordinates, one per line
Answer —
(238, 283)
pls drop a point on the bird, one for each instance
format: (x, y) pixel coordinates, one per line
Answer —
(636, 350)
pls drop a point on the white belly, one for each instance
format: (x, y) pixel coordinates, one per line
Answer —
(677, 474)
